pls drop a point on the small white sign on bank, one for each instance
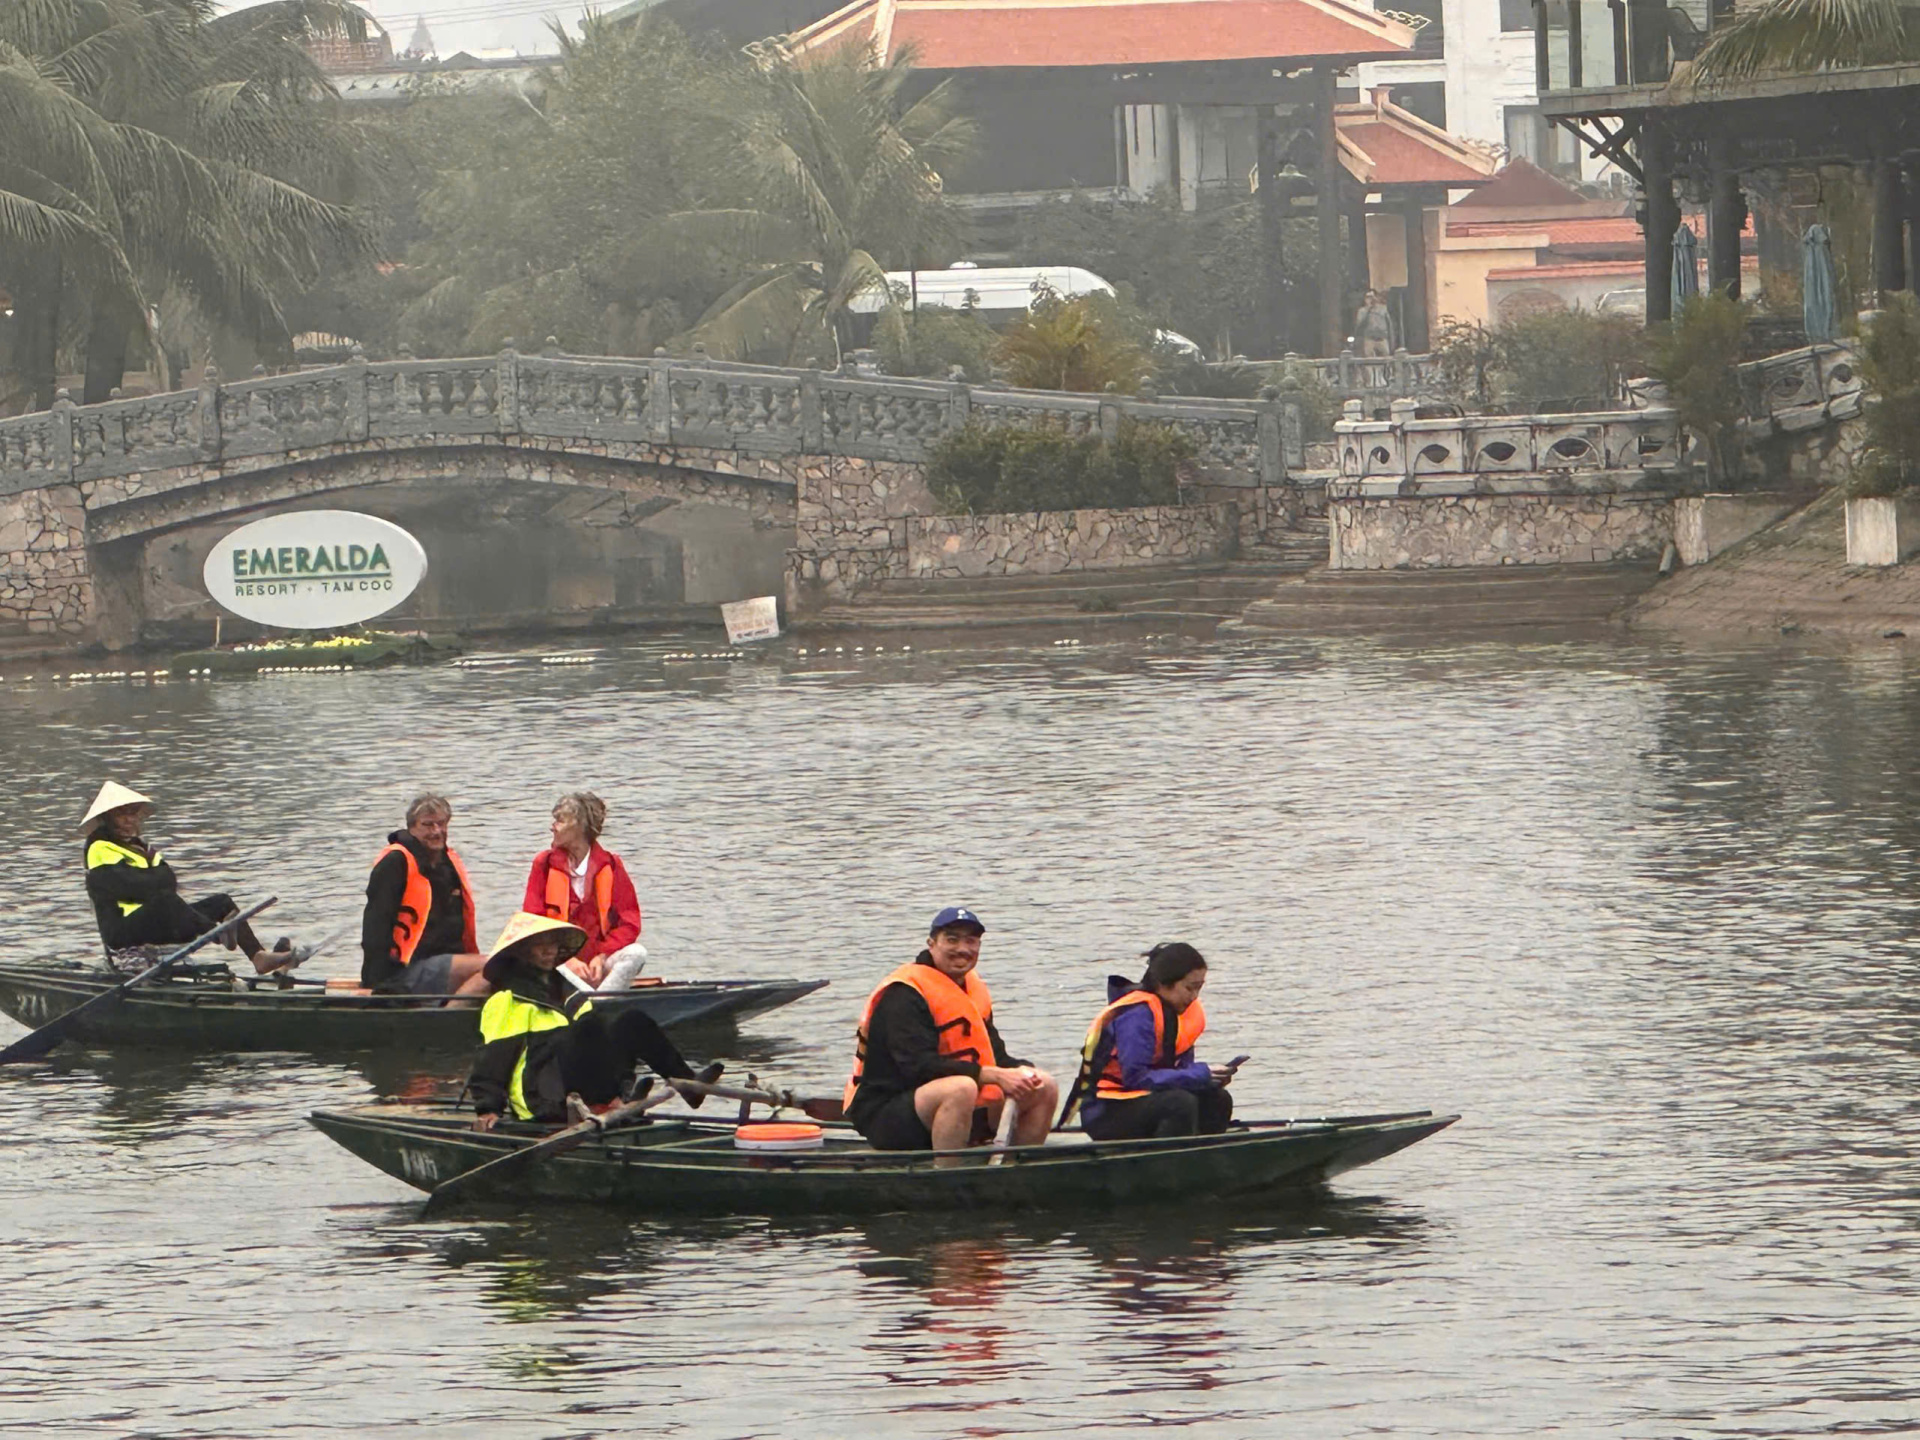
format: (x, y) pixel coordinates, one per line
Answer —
(755, 619)
(315, 569)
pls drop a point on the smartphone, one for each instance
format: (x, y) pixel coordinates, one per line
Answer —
(1238, 1061)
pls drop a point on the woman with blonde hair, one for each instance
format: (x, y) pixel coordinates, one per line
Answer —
(580, 881)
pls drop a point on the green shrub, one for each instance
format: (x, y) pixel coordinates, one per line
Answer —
(1555, 362)
(1696, 355)
(1890, 364)
(977, 471)
(932, 340)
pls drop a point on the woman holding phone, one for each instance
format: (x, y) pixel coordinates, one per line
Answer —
(1138, 1076)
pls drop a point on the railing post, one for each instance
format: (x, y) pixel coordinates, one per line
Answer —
(507, 396)
(60, 446)
(813, 428)
(1110, 416)
(210, 412)
(660, 397)
(1399, 412)
(959, 405)
(359, 410)
(1273, 456)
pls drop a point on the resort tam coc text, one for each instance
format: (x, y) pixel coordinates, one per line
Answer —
(314, 569)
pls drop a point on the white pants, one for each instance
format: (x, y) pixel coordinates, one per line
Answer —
(623, 968)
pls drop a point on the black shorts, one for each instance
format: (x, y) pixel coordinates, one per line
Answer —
(896, 1125)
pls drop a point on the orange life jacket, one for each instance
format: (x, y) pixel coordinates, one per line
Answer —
(560, 894)
(1110, 1086)
(417, 900)
(960, 1015)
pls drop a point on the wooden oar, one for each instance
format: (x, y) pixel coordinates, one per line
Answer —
(828, 1110)
(514, 1161)
(33, 1046)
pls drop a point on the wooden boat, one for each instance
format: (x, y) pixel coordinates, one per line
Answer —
(214, 1012)
(694, 1166)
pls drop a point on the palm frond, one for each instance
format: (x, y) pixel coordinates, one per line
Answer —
(1797, 36)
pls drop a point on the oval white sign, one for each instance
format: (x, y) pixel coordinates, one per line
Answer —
(315, 569)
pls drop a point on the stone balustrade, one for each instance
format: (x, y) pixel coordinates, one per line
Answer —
(1494, 454)
(698, 402)
(1374, 380)
(1488, 490)
(1799, 389)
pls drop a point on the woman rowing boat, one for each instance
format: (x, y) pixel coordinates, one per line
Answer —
(136, 896)
(542, 1040)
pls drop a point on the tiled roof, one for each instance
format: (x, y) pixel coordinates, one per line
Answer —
(1382, 145)
(1003, 34)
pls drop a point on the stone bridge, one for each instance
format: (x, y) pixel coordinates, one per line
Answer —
(546, 488)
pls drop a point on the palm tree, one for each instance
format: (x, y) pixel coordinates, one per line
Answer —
(844, 174)
(1797, 36)
(153, 146)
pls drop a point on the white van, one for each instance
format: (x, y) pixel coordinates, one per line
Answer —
(997, 293)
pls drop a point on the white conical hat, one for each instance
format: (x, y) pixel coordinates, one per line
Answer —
(112, 797)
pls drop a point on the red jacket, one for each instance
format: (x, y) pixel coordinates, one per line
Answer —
(610, 913)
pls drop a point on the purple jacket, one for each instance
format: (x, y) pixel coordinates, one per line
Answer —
(1131, 1034)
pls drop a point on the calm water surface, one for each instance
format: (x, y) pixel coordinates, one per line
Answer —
(1644, 917)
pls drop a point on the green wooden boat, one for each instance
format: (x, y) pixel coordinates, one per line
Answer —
(693, 1166)
(222, 1012)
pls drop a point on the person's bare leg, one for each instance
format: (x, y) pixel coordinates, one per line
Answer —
(468, 981)
(1034, 1115)
(945, 1106)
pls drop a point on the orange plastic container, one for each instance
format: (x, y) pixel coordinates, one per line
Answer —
(779, 1135)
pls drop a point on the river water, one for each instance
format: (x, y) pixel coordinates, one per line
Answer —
(1642, 915)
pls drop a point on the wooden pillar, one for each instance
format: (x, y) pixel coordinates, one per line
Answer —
(1416, 338)
(1273, 214)
(1359, 264)
(1726, 218)
(1889, 218)
(1911, 190)
(1327, 209)
(1659, 220)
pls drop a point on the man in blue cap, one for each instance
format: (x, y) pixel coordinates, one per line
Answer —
(930, 1071)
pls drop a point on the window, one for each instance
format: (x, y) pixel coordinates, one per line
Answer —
(1516, 14)
(1530, 137)
(1428, 100)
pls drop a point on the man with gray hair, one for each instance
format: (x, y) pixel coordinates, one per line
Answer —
(417, 935)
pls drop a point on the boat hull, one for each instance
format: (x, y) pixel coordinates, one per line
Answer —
(693, 1167)
(226, 1016)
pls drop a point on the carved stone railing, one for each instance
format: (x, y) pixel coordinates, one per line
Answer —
(662, 400)
(1799, 389)
(1494, 454)
(1375, 381)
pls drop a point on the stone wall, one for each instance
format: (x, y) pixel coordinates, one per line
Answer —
(47, 585)
(1396, 533)
(1045, 543)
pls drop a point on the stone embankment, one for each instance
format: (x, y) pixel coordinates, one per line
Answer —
(1791, 578)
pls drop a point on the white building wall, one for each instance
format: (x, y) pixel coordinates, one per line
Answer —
(1487, 71)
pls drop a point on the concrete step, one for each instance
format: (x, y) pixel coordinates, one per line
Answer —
(1466, 599)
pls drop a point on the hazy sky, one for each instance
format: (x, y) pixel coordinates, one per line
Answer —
(476, 25)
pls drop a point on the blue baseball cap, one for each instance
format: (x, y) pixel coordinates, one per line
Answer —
(957, 917)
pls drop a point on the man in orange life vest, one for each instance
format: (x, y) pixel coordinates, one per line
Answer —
(417, 933)
(929, 1056)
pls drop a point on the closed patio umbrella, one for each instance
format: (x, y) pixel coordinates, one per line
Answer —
(1686, 267)
(1817, 285)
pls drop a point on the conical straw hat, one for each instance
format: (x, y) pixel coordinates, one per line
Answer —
(113, 797)
(523, 927)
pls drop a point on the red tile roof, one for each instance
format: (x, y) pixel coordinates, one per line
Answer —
(1521, 184)
(1002, 34)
